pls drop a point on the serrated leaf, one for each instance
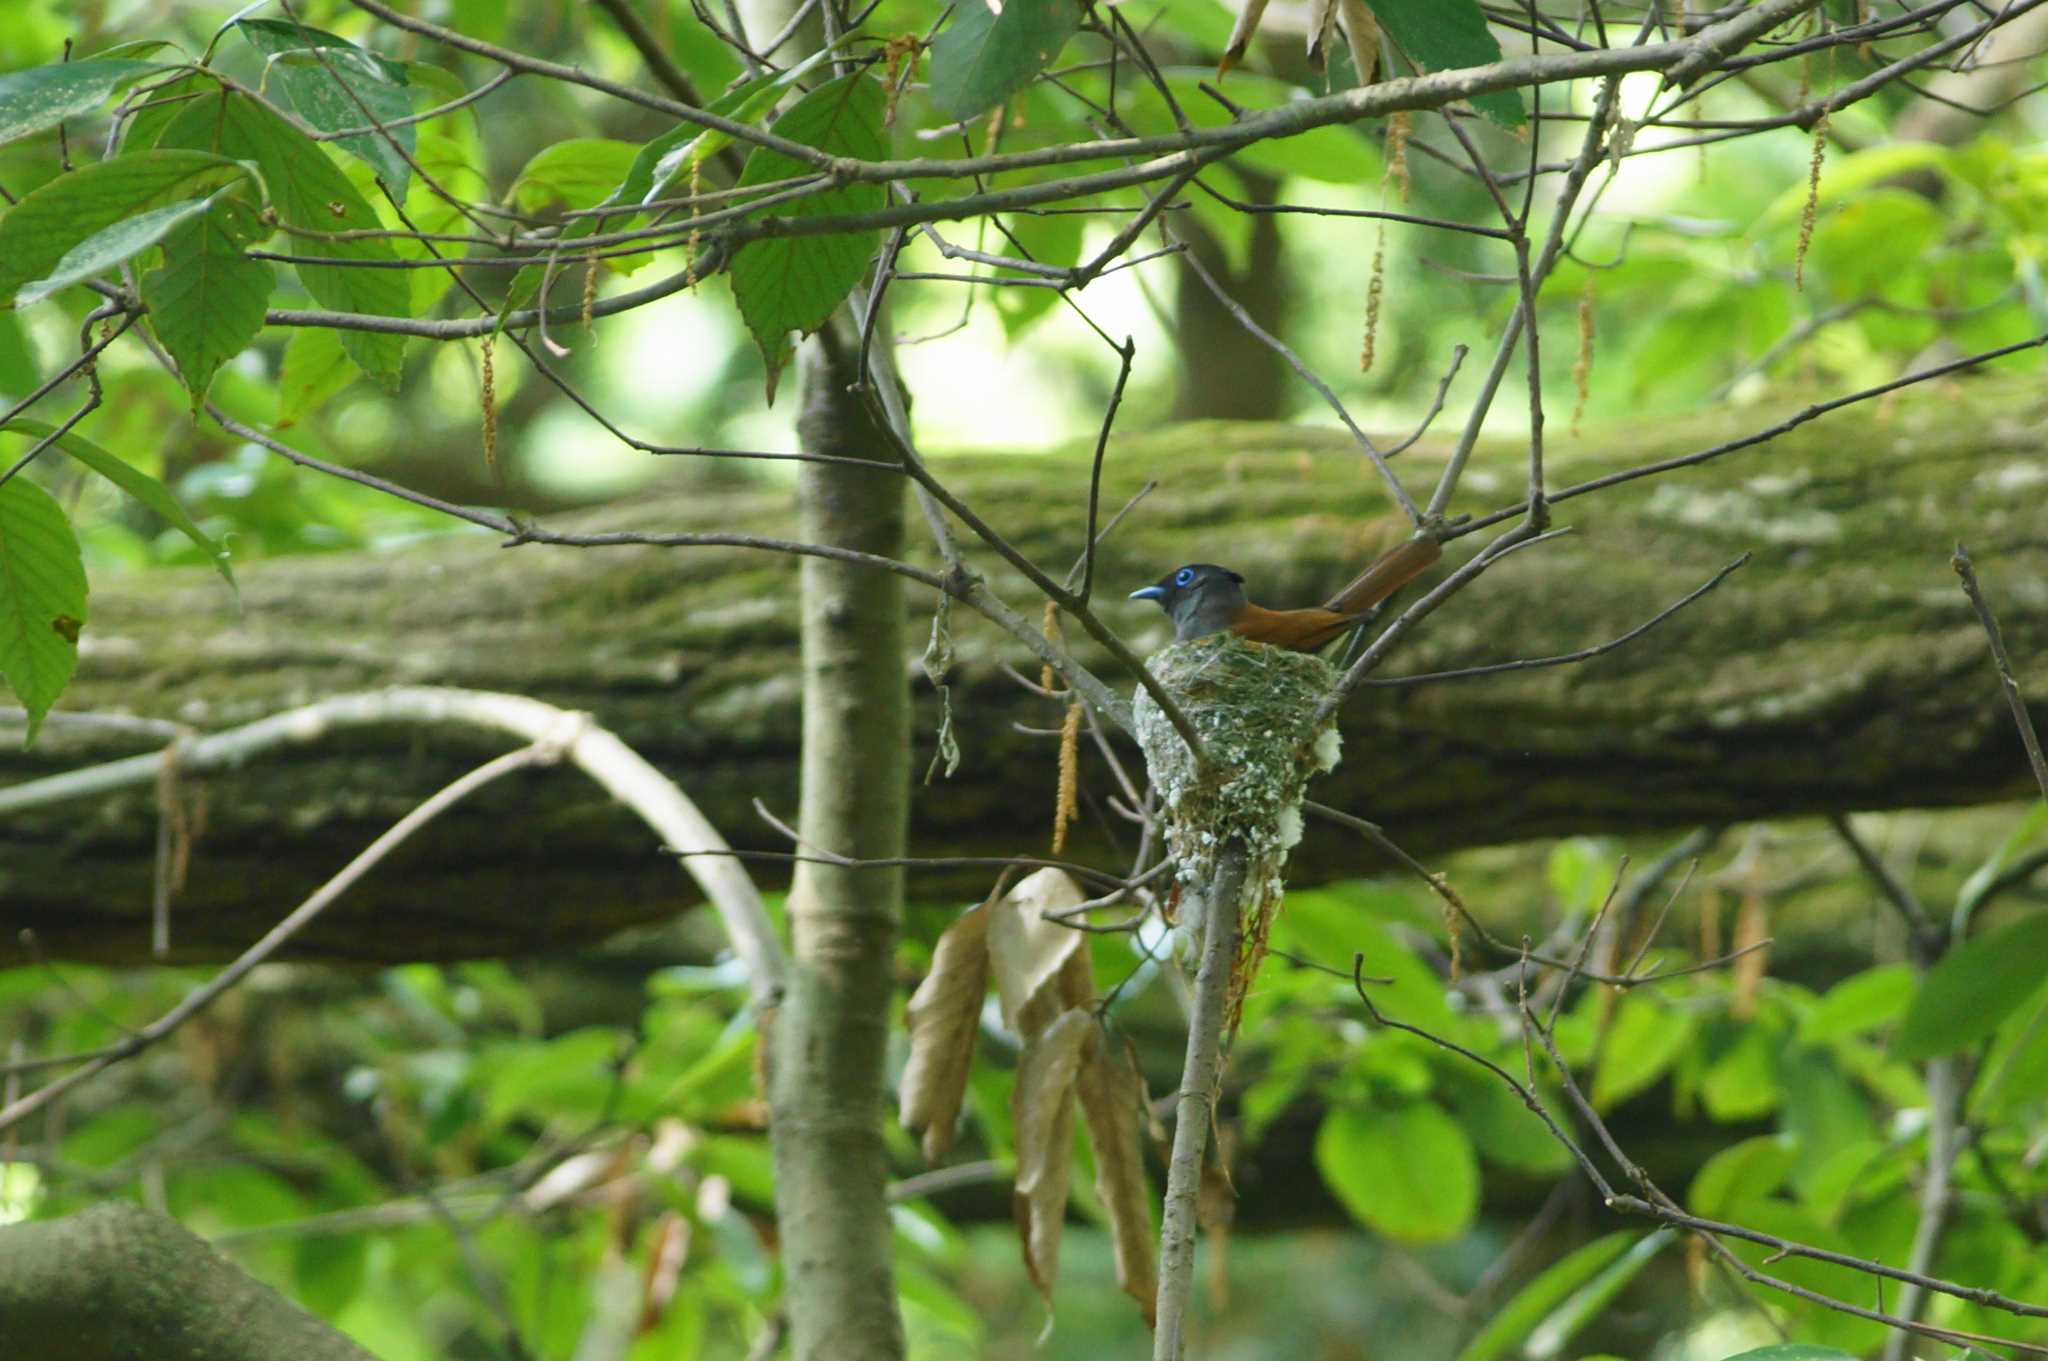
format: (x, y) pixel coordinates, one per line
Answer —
(315, 368)
(309, 191)
(333, 84)
(991, 51)
(132, 480)
(577, 173)
(42, 598)
(794, 283)
(206, 303)
(1405, 1171)
(44, 96)
(100, 214)
(1444, 35)
(1974, 987)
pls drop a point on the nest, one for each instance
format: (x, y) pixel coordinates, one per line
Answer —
(1253, 707)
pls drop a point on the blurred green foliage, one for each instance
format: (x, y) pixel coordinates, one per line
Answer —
(374, 1146)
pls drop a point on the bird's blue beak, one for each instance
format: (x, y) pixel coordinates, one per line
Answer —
(1149, 593)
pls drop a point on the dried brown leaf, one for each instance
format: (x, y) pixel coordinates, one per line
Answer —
(1362, 32)
(1241, 34)
(943, 1019)
(1752, 927)
(1112, 1098)
(1322, 26)
(1026, 952)
(1042, 1109)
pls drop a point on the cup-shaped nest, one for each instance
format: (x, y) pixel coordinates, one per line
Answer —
(1253, 706)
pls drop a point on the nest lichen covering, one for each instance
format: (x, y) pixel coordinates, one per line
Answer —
(1253, 706)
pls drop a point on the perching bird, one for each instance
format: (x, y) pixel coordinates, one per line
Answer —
(1202, 598)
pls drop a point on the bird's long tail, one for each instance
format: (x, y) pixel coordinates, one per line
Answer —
(1389, 572)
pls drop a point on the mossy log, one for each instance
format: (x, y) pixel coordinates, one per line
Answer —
(1841, 669)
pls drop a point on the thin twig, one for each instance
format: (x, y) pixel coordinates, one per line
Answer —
(2023, 720)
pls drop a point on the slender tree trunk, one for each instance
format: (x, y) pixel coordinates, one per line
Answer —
(1226, 373)
(826, 1087)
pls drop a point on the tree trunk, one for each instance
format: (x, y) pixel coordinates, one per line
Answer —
(116, 1282)
(1841, 670)
(1210, 341)
(826, 1066)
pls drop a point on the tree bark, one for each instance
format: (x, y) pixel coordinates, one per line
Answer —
(116, 1282)
(1210, 341)
(831, 1170)
(1841, 670)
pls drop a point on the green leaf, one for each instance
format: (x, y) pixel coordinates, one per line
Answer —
(132, 480)
(333, 84)
(577, 173)
(315, 368)
(743, 103)
(989, 52)
(1741, 1082)
(1643, 1041)
(793, 283)
(1405, 1171)
(663, 161)
(146, 122)
(1506, 1132)
(328, 1271)
(2015, 1071)
(1979, 883)
(42, 598)
(1442, 35)
(1824, 1111)
(1859, 1004)
(79, 224)
(44, 96)
(1555, 1332)
(1792, 1351)
(1845, 175)
(207, 301)
(1582, 872)
(1974, 987)
(309, 191)
(1519, 1317)
(1740, 1172)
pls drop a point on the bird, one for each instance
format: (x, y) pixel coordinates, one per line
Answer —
(1202, 598)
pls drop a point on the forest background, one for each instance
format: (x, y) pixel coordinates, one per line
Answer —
(1776, 860)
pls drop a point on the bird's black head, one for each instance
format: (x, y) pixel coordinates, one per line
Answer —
(1201, 598)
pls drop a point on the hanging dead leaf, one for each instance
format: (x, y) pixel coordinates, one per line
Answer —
(1362, 32)
(1322, 26)
(1026, 952)
(1112, 1097)
(1752, 928)
(944, 1018)
(1241, 34)
(1042, 1109)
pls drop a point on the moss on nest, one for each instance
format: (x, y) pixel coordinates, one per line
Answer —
(1253, 706)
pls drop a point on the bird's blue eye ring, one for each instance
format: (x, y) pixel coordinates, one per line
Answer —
(1184, 576)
